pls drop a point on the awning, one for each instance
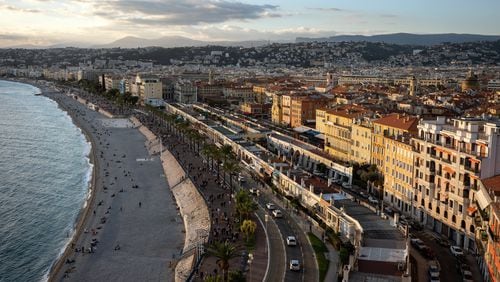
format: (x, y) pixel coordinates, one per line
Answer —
(483, 199)
(448, 169)
(471, 210)
(474, 161)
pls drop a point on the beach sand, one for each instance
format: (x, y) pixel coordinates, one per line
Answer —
(143, 221)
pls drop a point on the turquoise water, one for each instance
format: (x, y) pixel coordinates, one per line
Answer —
(44, 175)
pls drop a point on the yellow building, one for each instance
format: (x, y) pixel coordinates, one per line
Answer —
(277, 109)
(398, 172)
(361, 146)
(390, 126)
(336, 125)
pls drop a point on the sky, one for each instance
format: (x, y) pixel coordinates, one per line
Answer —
(48, 22)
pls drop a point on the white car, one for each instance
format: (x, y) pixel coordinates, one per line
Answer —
(254, 191)
(270, 206)
(295, 264)
(277, 214)
(373, 200)
(291, 241)
(456, 251)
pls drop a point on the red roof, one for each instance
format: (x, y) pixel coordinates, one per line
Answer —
(492, 183)
(404, 122)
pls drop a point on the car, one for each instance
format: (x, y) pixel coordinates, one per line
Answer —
(464, 267)
(270, 206)
(373, 200)
(443, 242)
(346, 185)
(277, 214)
(467, 276)
(416, 242)
(241, 179)
(389, 211)
(433, 270)
(254, 191)
(363, 194)
(291, 241)
(294, 264)
(456, 251)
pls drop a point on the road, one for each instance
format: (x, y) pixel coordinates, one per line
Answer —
(287, 227)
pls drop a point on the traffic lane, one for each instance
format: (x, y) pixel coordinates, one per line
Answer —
(292, 252)
(277, 261)
(447, 261)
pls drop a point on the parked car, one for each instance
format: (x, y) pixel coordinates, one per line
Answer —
(456, 251)
(373, 200)
(434, 270)
(346, 185)
(254, 191)
(388, 211)
(270, 206)
(364, 194)
(295, 264)
(467, 276)
(277, 214)
(291, 241)
(443, 242)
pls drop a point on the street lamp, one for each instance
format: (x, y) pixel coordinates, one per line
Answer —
(250, 260)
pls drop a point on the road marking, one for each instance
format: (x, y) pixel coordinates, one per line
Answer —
(145, 160)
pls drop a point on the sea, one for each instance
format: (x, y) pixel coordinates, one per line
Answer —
(44, 177)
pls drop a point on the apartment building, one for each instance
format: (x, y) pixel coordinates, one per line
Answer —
(277, 109)
(398, 172)
(150, 90)
(111, 81)
(185, 92)
(492, 255)
(336, 125)
(390, 126)
(361, 135)
(451, 158)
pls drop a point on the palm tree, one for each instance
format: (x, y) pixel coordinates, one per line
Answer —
(244, 204)
(223, 251)
(231, 167)
(227, 152)
(209, 151)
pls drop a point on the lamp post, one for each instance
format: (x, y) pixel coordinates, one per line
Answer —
(250, 260)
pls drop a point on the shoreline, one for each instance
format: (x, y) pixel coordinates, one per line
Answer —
(83, 213)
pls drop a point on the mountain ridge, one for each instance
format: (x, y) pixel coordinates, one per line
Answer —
(405, 38)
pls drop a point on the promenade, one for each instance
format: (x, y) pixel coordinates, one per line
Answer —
(133, 231)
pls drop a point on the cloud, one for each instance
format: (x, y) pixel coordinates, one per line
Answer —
(12, 37)
(190, 12)
(327, 9)
(17, 9)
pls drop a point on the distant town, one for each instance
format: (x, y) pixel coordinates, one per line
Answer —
(375, 142)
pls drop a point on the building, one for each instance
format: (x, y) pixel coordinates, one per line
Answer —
(452, 157)
(398, 173)
(209, 91)
(303, 109)
(336, 125)
(185, 92)
(471, 82)
(111, 82)
(390, 126)
(361, 135)
(238, 93)
(255, 109)
(277, 109)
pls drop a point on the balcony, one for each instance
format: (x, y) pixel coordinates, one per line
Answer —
(446, 160)
(492, 235)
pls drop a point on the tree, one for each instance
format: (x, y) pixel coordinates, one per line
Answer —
(244, 204)
(248, 228)
(231, 167)
(209, 150)
(224, 252)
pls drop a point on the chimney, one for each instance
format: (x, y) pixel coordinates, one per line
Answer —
(288, 172)
(295, 178)
(311, 188)
(331, 200)
(281, 169)
(330, 180)
(302, 183)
